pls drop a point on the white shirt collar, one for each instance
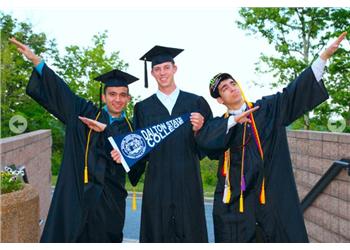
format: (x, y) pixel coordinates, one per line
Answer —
(238, 111)
(172, 96)
(168, 100)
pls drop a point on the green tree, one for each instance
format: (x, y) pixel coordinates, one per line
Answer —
(15, 73)
(77, 67)
(298, 35)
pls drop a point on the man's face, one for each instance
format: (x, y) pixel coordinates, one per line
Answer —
(230, 93)
(116, 99)
(164, 74)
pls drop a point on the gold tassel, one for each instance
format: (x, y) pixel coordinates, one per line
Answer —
(262, 194)
(86, 178)
(241, 206)
(224, 172)
(86, 175)
(227, 195)
(134, 206)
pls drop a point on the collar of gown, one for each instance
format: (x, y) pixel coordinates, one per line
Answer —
(238, 111)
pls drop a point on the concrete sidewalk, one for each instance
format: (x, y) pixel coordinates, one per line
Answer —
(133, 218)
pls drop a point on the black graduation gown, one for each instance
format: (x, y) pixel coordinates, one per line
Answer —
(92, 212)
(172, 202)
(280, 219)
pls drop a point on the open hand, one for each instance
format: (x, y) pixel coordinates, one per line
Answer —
(333, 47)
(25, 50)
(94, 125)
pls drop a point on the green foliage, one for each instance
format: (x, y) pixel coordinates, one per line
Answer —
(9, 182)
(298, 35)
(208, 172)
(15, 73)
(77, 67)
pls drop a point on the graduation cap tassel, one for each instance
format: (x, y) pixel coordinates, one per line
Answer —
(101, 96)
(146, 76)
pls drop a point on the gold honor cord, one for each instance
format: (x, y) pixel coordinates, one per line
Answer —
(226, 172)
(134, 205)
(226, 163)
(262, 197)
(242, 184)
(86, 174)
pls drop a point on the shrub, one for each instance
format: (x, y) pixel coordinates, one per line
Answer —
(10, 182)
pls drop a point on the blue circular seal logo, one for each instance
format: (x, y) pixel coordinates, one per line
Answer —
(133, 146)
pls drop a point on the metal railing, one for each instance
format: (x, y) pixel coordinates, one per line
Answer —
(331, 173)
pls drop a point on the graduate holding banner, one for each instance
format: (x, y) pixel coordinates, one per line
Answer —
(172, 202)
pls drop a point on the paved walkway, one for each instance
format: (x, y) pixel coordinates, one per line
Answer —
(132, 220)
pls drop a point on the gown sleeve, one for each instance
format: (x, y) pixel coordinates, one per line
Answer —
(300, 96)
(204, 109)
(51, 92)
(213, 139)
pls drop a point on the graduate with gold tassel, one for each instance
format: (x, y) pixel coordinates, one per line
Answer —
(88, 203)
(256, 197)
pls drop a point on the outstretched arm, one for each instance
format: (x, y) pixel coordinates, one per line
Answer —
(305, 93)
(49, 90)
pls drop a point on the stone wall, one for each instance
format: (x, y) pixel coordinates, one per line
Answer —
(312, 153)
(33, 150)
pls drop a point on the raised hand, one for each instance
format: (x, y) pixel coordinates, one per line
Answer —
(94, 125)
(333, 47)
(244, 117)
(25, 50)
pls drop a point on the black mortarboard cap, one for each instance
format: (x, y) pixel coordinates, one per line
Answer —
(157, 55)
(115, 78)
